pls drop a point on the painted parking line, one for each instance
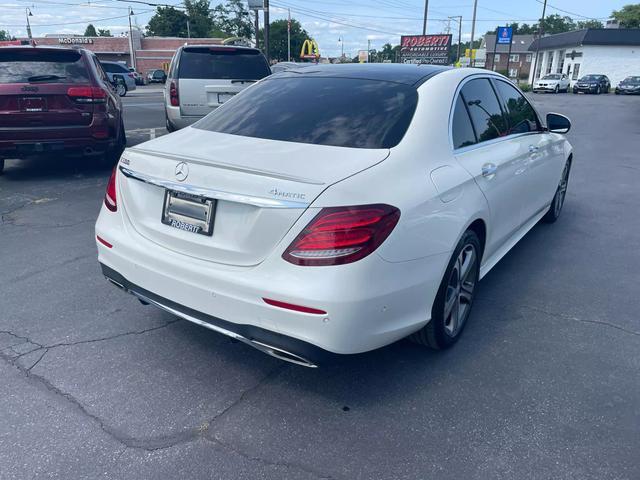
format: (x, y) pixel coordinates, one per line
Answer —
(139, 135)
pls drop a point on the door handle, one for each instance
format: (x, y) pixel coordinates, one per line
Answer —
(533, 149)
(489, 170)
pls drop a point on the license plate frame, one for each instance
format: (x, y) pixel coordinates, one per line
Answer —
(33, 104)
(188, 212)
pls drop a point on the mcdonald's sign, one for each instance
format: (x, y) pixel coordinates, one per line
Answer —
(310, 50)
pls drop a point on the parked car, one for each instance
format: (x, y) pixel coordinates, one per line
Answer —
(139, 79)
(554, 82)
(592, 84)
(120, 76)
(629, 86)
(283, 66)
(332, 210)
(203, 77)
(156, 76)
(56, 99)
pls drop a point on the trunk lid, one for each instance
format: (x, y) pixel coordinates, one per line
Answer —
(34, 86)
(261, 188)
(209, 76)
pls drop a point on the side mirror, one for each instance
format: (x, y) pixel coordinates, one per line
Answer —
(557, 123)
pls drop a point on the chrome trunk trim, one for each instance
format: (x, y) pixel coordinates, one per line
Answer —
(211, 193)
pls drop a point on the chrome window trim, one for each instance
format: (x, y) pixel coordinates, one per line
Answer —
(491, 78)
(211, 193)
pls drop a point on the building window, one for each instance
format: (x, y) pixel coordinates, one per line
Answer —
(549, 63)
(529, 57)
(513, 73)
(568, 69)
(576, 71)
(514, 57)
(560, 62)
(496, 57)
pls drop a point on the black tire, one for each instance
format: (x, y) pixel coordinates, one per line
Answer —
(437, 334)
(114, 153)
(558, 199)
(1, 166)
(557, 89)
(169, 126)
(598, 90)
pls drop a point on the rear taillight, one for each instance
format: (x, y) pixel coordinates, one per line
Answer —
(87, 94)
(110, 200)
(340, 235)
(173, 94)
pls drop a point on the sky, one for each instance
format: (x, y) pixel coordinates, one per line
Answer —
(327, 21)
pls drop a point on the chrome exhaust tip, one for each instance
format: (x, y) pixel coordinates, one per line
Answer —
(282, 354)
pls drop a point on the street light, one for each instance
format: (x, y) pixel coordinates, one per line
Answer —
(131, 49)
(28, 14)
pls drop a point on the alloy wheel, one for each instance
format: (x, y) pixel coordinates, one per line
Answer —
(121, 90)
(460, 290)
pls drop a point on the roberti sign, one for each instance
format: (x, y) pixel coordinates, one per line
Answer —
(431, 49)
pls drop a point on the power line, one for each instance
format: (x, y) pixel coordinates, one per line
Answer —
(75, 23)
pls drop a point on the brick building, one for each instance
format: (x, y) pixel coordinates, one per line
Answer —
(520, 60)
(149, 52)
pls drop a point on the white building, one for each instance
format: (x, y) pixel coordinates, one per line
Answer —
(614, 52)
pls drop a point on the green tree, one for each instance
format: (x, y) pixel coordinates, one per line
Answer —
(168, 22)
(556, 24)
(232, 19)
(278, 39)
(90, 31)
(200, 20)
(104, 33)
(387, 52)
(629, 16)
(589, 24)
(4, 36)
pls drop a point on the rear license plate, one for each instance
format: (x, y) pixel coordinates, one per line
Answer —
(33, 104)
(190, 213)
(223, 97)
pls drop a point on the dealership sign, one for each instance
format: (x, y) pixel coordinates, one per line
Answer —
(431, 49)
(75, 40)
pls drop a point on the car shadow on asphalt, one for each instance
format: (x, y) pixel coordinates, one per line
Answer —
(53, 167)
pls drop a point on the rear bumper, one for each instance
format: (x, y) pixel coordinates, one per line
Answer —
(624, 91)
(368, 304)
(544, 89)
(37, 146)
(178, 120)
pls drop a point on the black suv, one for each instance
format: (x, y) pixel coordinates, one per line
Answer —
(592, 84)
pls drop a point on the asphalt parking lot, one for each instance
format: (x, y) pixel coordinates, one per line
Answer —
(544, 384)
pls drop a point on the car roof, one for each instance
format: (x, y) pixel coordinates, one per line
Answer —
(53, 48)
(217, 46)
(408, 74)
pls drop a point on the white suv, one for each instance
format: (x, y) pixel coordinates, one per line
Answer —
(203, 77)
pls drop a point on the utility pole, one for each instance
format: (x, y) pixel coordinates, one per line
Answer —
(257, 28)
(368, 50)
(424, 22)
(473, 31)
(540, 33)
(459, 18)
(266, 29)
(188, 29)
(28, 14)
(289, 37)
(131, 48)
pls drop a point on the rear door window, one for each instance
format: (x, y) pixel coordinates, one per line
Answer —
(33, 66)
(521, 116)
(343, 112)
(486, 115)
(462, 130)
(114, 68)
(222, 63)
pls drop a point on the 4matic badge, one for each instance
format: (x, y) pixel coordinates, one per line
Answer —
(288, 195)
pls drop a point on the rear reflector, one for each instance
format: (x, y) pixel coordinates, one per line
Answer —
(104, 242)
(110, 200)
(340, 235)
(291, 306)
(87, 94)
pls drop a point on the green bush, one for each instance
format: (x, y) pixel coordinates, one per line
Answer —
(525, 87)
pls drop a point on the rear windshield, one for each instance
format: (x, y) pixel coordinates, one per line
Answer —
(214, 63)
(591, 78)
(342, 112)
(114, 67)
(41, 66)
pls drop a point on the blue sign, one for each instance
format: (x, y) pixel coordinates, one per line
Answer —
(504, 35)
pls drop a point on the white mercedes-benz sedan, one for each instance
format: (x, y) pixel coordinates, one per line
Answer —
(335, 209)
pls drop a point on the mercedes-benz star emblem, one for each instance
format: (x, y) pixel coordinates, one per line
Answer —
(181, 171)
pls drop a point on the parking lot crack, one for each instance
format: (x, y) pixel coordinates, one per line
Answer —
(263, 461)
(583, 320)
